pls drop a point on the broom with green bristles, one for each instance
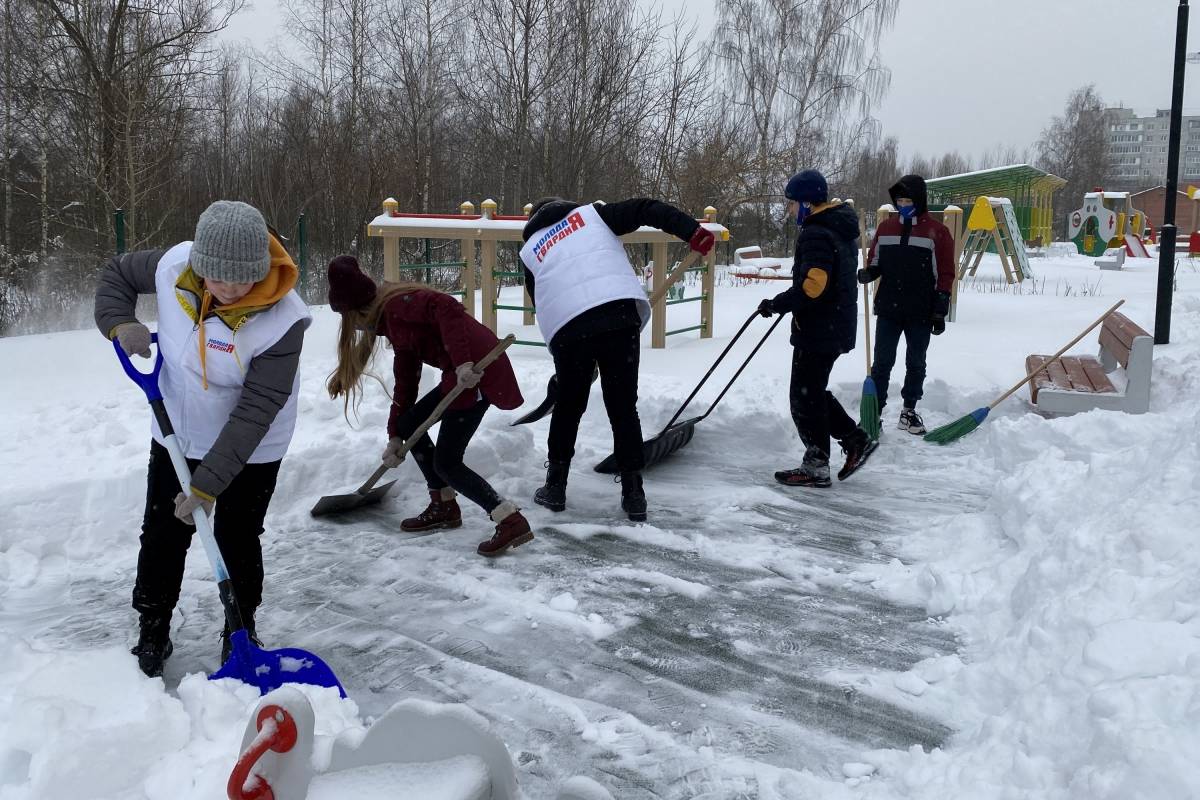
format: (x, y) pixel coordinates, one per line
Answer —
(868, 406)
(964, 425)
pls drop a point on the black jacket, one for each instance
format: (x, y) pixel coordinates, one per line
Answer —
(823, 299)
(623, 217)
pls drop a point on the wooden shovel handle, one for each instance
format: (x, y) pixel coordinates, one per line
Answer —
(688, 262)
(862, 245)
(1057, 355)
(450, 397)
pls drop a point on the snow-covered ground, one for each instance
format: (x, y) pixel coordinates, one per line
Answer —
(1015, 615)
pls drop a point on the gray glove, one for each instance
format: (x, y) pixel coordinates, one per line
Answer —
(391, 454)
(134, 338)
(186, 504)
(467, 375)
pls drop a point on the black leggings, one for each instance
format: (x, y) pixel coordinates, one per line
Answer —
(616, 353)
(236, 526)
(442, 464)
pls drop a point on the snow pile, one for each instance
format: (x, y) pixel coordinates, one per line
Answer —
(1059, 551)
(1078, 593)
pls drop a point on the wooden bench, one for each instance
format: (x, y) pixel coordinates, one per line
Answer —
(1081, 383)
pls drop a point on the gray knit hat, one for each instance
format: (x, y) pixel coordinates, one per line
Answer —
(231, 244)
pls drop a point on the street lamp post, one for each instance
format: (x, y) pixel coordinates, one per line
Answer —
(1166, 240)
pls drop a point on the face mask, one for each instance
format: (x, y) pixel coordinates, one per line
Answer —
(802, 214)
(908, 212)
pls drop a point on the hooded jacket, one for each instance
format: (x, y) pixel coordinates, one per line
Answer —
(230, 373)
(823, 300)
(913, 258)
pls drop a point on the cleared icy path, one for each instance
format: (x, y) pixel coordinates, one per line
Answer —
(713, 627)
(691, 653)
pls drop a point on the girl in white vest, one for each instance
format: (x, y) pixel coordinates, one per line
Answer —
(591, 309)
(230, 330)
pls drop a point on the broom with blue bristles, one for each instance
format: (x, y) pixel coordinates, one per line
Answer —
(868, 406)
(965, 424)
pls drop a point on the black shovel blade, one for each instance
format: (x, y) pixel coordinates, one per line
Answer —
(655, 450)
(544, 408)
(341, 503)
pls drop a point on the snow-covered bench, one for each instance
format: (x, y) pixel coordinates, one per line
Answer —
(1081, 383)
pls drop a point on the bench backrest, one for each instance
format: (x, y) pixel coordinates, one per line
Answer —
(1120, 337)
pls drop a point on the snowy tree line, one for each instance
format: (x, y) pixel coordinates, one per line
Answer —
(126, 104)
(138, 105)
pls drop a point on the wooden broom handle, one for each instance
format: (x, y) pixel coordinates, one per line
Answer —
(1057, 355)
(450, 397)
(862, 244)
(688, 262)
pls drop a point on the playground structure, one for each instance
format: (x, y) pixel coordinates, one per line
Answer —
(487, 229)
(993, 224)
(1030, 192)
(1107, 220)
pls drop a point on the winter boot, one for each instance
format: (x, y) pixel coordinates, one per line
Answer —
(911, 421)
(154, 643)
(858, 448)
(512, 530)
(443, 512)
(633, 497)
(813, 471)
(227, 645)
(554, 494)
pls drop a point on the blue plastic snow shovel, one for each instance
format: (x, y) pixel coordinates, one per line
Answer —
(266, 670)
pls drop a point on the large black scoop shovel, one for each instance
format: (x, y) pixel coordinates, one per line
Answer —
(677, 434)
(369, 493)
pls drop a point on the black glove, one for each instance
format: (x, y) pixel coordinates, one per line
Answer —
(864, 276)
(939, 324)
(765, 308)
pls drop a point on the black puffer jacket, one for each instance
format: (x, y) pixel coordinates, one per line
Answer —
(621, 218)
(823, 299)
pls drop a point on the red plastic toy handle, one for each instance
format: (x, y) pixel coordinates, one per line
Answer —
(280, 736)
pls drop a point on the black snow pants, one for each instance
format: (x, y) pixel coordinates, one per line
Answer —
(617, 354)
(237, 525)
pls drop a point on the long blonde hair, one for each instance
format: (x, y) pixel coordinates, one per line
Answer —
(356, 345)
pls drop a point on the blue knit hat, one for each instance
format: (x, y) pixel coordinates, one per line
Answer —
(808, 186)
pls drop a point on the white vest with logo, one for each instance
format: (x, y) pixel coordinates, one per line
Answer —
(578, 264)
(199, 414)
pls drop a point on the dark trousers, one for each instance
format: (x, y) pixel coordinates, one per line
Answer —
(816, 412)
(617, 354)
(236, 526)
(916, 344)
(442, 463)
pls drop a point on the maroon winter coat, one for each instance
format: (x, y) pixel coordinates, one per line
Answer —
(429, 327)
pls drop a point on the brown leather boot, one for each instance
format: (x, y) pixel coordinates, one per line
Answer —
(443, 512)
(512, 530)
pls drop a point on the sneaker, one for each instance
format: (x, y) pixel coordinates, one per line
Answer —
(442, 512)
(512, 530)
(911, 421)
(813, 471)
(858, 448)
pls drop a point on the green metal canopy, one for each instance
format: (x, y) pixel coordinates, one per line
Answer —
(1030, 189)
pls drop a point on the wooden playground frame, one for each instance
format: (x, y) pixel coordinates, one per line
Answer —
(487, 229)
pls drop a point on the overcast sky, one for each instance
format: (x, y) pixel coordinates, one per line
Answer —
(969, 75)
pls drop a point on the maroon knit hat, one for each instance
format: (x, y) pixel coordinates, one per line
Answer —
(349, 287)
